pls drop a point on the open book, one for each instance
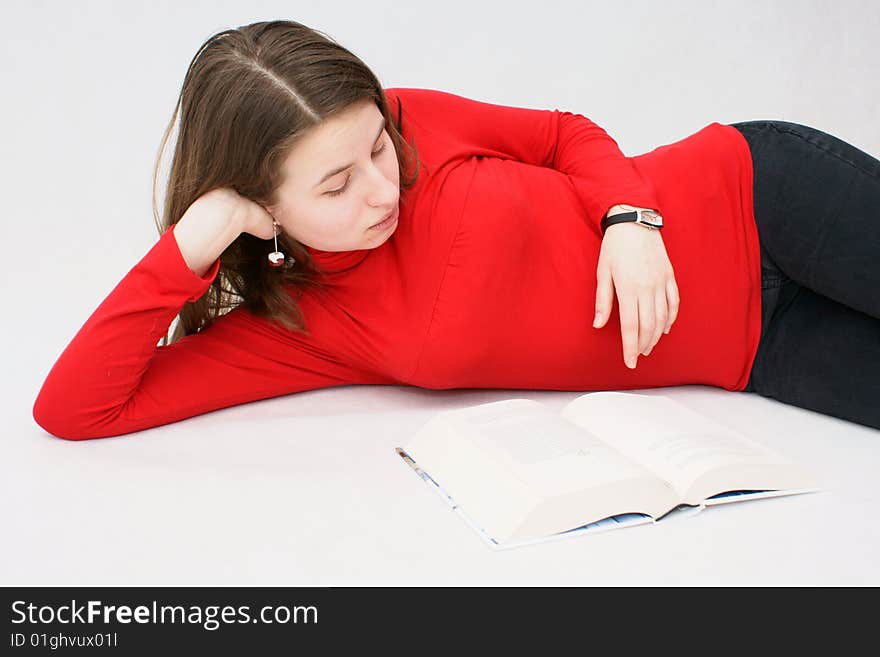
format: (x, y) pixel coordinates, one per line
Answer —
(520, 473)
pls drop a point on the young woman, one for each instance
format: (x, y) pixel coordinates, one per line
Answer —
(320, 230)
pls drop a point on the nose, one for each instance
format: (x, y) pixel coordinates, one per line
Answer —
(383, 191)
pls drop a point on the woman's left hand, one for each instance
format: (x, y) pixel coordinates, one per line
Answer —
(633, 261)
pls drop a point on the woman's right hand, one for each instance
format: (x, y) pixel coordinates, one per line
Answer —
(248, 216)
(213, 221)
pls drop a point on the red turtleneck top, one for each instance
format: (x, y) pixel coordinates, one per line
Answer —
(488, 281)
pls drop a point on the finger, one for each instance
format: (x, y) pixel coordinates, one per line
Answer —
(629, 328)
(646, 320)
(604, 296)
(660, 316)
(673, 302)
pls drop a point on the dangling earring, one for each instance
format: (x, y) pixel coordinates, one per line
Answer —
(276, 258)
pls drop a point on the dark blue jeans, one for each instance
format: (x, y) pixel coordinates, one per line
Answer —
(817, 208)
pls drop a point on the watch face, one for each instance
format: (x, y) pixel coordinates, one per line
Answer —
(651, 219)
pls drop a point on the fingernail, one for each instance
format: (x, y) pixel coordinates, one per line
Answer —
(596, 320)
(631, 363)
(666, 331)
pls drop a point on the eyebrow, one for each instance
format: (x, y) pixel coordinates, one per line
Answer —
(346, 166)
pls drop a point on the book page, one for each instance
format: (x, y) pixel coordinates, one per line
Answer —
(680, 445)
(544, 450)
(522, 471)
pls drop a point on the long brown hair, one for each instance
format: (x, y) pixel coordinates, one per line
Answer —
(248, 96)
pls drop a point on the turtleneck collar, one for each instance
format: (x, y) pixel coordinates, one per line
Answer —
(333, 262)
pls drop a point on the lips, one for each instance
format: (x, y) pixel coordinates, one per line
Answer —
(385, 218)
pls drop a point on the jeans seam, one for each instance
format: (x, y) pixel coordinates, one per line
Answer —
(825, 149)
(769, 281)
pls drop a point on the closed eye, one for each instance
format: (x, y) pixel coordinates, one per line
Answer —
(336, 192)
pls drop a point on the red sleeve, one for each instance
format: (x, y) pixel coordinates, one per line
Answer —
(113, 379)
(570, 143)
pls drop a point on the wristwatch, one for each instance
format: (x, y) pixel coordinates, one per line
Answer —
(647, 218)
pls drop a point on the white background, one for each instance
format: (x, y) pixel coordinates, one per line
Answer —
(306, 489)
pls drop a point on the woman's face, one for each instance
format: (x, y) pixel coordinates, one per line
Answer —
(340, 179)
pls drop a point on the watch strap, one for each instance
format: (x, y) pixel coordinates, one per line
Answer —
(622, 217)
